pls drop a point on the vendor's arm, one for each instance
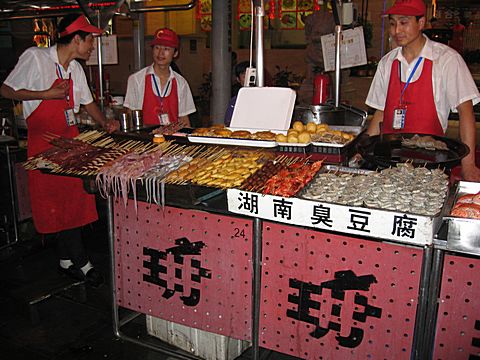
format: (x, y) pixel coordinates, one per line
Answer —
(58, 91)
(186, 105)
(184, 121)
(374, 126)
(94, 111)
(468, 136)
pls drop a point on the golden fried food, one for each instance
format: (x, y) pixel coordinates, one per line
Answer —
(265, 135)
(241, 134)
(304, 137)
(292, 139)
(297, 125)
(222, 132)
(281, 138)
(201, 131)
(311, 127)
(322, 128)
(158, 138)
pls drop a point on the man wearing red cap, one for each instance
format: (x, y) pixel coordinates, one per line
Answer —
(52, 86)
(162, 94)
(418, 83)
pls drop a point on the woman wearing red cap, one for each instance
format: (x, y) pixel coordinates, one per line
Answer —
(52, 85)
(162, 94)
(418, 83)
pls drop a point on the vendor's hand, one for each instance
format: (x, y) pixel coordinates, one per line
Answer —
(356, 161)
(58, 91)
(111, 126)
(363, 143)
(471, 173)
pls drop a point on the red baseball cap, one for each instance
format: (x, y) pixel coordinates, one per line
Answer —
(81, 24)
(408, 7)
(165, 37)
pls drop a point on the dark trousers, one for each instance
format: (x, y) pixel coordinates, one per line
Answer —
(70, 246)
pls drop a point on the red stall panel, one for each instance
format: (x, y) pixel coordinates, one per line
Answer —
(327, 296)
(185, 266)
(458, 325)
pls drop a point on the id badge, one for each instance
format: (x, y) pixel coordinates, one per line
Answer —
(164, 119)
(399, 118)
(70, 117)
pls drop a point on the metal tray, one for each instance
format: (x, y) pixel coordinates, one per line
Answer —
(231, 141)
(344, 170)
(351, 129)
(463, 234)
(356, 171)
(387, 150)
(235, 141)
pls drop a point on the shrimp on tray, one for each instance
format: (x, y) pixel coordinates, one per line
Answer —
(467, 206)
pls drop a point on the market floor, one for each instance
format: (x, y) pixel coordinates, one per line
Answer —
(44, 315)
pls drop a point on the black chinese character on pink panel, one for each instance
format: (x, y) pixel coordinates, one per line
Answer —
(282, 209)
(184, 251)
(359, 220)
(248, 202)
(475, 342)
(404, 226)
(344, 281)
(321, 214)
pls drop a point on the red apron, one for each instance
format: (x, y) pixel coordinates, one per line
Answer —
(58, 202)
(153, 105)
(421, 116)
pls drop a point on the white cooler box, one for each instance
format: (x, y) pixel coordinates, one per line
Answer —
(204, 344)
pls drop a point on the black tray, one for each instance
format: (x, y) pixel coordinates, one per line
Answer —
(294, 149)
(387, 150)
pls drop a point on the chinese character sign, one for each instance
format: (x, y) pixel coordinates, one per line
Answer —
(346, 286)
(176, 257)
(185, 266)
(332, 296)
(382, 224)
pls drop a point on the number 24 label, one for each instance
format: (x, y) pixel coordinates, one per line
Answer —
(239, 233)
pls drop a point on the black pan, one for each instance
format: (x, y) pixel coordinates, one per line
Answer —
(387, 150)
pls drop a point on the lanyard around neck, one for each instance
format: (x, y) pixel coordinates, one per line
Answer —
(409, 77)
(59, 75)
(159, 94)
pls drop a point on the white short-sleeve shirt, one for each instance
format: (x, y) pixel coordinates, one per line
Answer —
(451, 79)
(136, 90)
(36, 70)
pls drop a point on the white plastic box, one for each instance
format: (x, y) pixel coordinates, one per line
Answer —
(204, 344)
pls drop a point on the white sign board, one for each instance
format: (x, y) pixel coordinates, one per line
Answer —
(109, 51)
(352, 49)
(383, 224)
(263, 108)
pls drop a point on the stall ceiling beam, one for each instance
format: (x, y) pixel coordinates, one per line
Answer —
(29, 9)
(135, 6)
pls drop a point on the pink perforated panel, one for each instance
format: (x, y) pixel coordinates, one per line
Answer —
(458, 325)
(185, 266)
(327, 296)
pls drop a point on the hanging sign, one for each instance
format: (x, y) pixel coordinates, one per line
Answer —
(204, 14)
(109, 51)
(352, 49)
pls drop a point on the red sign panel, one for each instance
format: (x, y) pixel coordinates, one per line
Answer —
(327, 296)
(458, 325)
(185, 266)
